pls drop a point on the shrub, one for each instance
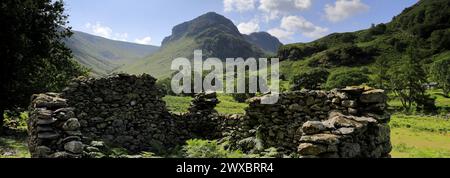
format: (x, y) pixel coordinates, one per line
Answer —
(16, 120)
(345, 55)
(299, 51)
(347, 78)
(242, 97)
(440, 40)
(313, 79)
(208, 149)
(440, 73)
(378, 29)
(165, 86)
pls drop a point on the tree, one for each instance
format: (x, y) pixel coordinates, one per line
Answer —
(34, 58)
(408, 80)
(440, 73)
(378, 29)
(313, 79)
(347, 78)
(165, 85)
(344, 55)
(440, 40)
(380, 69)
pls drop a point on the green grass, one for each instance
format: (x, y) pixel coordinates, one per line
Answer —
(177, 104)
(421, 123)
(11, 147)
(441, 101)
(227, 104)
(420, 137)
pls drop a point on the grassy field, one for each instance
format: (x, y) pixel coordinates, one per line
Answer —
(420, 137)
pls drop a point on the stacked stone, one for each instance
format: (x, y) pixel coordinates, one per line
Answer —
(229, 125)
(280, 125)
(127, 111)
(202, 120)
(124, 111)
(53, 129)
(277, 125)
(204, 103)
(366, 135)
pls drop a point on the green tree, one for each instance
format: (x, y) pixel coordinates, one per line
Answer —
(165, 85)
(440, 73)
(380, 69)
(313, 79)
(34, 58)
(345, 78)
(407, 81)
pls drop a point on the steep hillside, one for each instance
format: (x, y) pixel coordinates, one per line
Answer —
(103, 55)
(212, 33)
(265, 41)
(424, 26)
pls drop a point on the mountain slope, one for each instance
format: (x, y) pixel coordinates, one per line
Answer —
(424, 26)
(265, 41)
(103, 55)
(212, 33)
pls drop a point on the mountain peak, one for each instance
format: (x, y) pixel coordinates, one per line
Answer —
(201, 25)
(211, 15)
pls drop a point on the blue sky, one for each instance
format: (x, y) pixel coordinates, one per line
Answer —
(149, 21)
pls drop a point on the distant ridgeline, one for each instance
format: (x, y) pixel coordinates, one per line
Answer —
(125, 111)
(103, 55)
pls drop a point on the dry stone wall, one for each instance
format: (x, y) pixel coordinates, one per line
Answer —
(127, 111)
(122, 110)
(351, 122)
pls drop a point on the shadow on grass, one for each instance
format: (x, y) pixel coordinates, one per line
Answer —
(13, 144)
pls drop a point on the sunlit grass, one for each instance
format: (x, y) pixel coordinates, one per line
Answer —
(227, 105)
(420, 137)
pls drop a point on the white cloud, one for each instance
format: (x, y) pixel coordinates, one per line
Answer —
(305, 27)
(120, 36)
(248, 27)
(275, 8)
(344, 9)
(281, 34)
(145, 41)
(99, 30)
(291, 25)
(238, 5)
(105, 32)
